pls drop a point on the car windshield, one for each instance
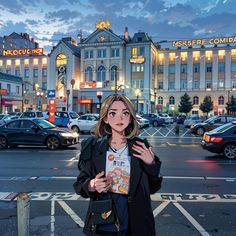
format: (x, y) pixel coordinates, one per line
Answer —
(74, 115)
(44, 124)
(223, 128)
(209, 120)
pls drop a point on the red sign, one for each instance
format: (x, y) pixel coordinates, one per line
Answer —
(52, 109)
(85, 101)
(88, 85)
(3, 92)
(10, 102)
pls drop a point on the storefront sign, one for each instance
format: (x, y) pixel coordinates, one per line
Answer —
(3, 92)
(91, 84)
(52, 109)
(199, 42)
(85, 101)
(137, 60)
(103, 24)
(23, 51)
(10, 102)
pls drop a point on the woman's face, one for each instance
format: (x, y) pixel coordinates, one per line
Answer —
(118, 116)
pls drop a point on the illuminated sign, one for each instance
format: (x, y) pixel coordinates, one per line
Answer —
(23, 51)
(103, 24)
(91, 84)
(199, 42)
(85, 101)
(52, 109)
(3, 92)
(137, 60)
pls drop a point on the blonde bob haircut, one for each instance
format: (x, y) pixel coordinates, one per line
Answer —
(103, 128)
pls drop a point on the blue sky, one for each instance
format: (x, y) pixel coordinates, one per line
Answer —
(50, 20)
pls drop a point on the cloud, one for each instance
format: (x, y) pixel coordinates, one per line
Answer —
(62, 15)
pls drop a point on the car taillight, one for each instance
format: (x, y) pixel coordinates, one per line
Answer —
(215, 139)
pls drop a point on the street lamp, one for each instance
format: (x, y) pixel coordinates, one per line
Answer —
(155, 98)
(40, 97)
(115, 77)
(99, 96)
(229, 91)
(138, 93)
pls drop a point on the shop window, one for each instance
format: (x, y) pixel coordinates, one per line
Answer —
(196, 67)
(171, 68)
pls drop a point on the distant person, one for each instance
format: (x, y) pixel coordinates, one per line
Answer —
(118, 164)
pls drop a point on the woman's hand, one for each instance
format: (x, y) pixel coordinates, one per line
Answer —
(100, 183)
(145, 154)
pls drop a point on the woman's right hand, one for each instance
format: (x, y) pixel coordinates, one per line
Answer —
(100, 183)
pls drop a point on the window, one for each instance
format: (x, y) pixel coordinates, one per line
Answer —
(35, 73)
(88, 54)
(18, 89)
(8, 71)
(101, 53)
(114, 73)
(141, 51)
(183, 84)
(44, 72)
(160, 69)
(221, 100)
(160, 100)
(115, 52)
(26, 73)
(134, 52)
(44, 61)
(88, 74)
(221, 66)
(101, 73)
(26, 62)
(9, 88)
(196, 84)
(8, 63)
(172, 100)
(195, 100)
(196, 67)
(13, 125)
(183, 68)
(137, 83)
(233, 66)
(171, 68)
(17, 62)
(160, 84)
(233, 83)
(221, 83)
(171, 84)
(137, 67)
(17, 72)
(61, 59)
(208, 67)
(1, 63)
(35, 61)
(208, 84)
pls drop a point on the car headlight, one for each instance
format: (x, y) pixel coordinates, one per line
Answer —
(67, 135)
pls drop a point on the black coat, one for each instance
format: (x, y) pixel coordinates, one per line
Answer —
(144, 180)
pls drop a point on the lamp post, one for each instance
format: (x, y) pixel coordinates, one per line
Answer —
(155, 98)
(115, 76)
(40, 97)
(137, 92)
(99, 96)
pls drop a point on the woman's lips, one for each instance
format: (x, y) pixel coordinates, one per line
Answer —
(119, 124)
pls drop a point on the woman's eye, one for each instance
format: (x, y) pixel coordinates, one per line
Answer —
(112, 114)
(126, 113)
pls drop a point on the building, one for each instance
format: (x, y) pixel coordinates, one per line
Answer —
(198, 67)
(11, 93)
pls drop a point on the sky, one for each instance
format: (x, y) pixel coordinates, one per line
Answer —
(50, 20)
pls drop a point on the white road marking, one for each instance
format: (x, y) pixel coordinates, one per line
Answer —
(160, 208)
(170, 131)
(52, 217)
(200, 229)
(187, 131)
(171, 145)
(71, 213)
(157, 131)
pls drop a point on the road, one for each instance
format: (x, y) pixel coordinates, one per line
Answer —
(197, 198)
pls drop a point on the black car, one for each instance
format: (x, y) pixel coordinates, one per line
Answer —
(221, 140)
(154, 119)
(35, 132)
(211, 123)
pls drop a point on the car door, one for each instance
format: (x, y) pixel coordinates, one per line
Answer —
(91, 122)
(11, 130)
(219, 121)
(82, 123)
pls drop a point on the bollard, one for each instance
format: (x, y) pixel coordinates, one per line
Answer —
(23, 214)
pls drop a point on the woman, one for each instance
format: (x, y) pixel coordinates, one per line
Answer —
(135, 173)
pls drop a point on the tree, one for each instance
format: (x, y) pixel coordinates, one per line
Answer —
(185, 105)
(231, 105)
(207, 105)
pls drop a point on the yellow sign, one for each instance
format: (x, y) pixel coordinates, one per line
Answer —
(23, 51)
(199, 42)
(137, 60)
(103, 24)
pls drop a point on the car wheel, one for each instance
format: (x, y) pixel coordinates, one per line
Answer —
(52, 142)
(229, 151)
(155, 123)
(200, 131)
(75, 128)
(3, 142)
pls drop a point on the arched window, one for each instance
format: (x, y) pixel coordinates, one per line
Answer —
(114, 73)
(61, 60)
(101, 73)
(88, 74)
(221, 100)
(195, 100)
(160, 100)
(172, 100)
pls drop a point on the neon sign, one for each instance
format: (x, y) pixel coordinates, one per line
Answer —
(23, 51)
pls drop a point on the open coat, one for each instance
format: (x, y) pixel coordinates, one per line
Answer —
(144, 180)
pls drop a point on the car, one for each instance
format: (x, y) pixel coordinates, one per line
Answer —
(221, 140)
(85, 123)
(4, 118)
(32, 114)
(142, 121)
(180, 119)
(191, 120)
(35, 131)
(167, 118)
(154, 119)
(210, 124)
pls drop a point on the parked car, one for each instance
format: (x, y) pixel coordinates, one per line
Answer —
(154, 119)
(142, 121)
(35, 131)
(180, 119)
(167, 118)
(211, 123)
(221, 140)
(32, 114)
(191, 120)
(85, 123)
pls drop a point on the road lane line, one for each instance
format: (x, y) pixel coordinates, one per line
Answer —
(71, 213)
(158, 130)
(171, 145)
(200, 229)
(52, 217)
(160, 208)
(184, 133)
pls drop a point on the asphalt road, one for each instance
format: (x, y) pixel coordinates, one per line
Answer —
(197, 198)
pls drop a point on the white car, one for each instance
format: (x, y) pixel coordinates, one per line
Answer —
(167, 118)
(142, 121)
(85, 123)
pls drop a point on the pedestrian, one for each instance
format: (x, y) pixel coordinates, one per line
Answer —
(118, 163)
